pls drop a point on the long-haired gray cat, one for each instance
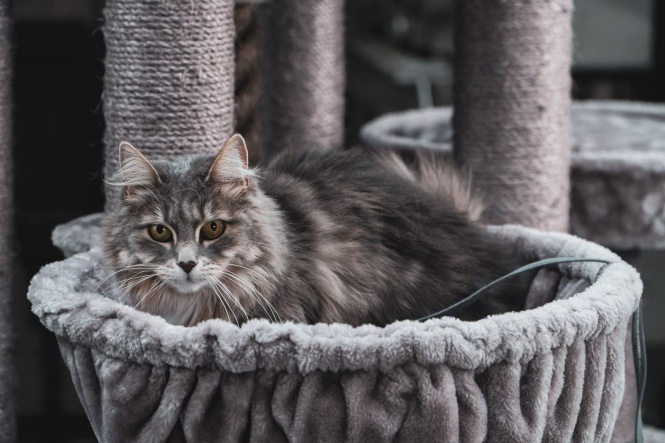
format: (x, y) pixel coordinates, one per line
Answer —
(344, 236)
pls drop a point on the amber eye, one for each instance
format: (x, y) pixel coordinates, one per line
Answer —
(159, 233)
(213, 229)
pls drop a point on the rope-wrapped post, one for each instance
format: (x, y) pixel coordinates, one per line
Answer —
(7, 411)
(169, 81)
(512, 106)
(512, 122)
(304, 81)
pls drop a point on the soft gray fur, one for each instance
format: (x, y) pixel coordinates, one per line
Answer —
(553, 373)
(353, 237)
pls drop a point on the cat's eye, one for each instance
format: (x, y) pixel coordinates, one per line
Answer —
(159, 233)
(213, 229)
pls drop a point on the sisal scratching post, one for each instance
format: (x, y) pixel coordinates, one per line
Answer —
(512, 105)
(169, 82)
(7, 417)
(304, 81)
(512, 124)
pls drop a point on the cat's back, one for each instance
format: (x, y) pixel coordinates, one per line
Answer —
(338, 166)
(356, 219)
(374, 176)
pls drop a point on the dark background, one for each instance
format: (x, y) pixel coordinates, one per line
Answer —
(58, 72)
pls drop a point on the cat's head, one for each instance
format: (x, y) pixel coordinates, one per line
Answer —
(197, 228)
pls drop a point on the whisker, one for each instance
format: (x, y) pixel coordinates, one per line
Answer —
(225, 304)
(220, 296)
(131, 283)
(151, 293)
(134, 276)
(145, 266)
(265, 280)
(131, 266)
(243, 285)
(235, 300)
(253, 292)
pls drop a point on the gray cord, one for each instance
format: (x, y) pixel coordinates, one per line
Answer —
(531, 266)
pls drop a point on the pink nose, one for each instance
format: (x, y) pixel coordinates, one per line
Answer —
(187, 266)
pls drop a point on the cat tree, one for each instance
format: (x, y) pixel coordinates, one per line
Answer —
(6, 220)
(617, 165)
(553, 373)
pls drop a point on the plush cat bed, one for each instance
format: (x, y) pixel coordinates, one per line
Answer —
(552, 373)
(618, 165)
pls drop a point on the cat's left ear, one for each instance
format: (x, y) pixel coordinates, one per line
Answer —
(231, 163)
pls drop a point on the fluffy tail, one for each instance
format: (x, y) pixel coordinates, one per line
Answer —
(438, 176)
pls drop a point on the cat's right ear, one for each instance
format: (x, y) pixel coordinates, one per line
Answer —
(230, 165)
(135, 169)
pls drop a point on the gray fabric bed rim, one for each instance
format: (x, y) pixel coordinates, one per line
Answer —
(94, 321)
(557, 372)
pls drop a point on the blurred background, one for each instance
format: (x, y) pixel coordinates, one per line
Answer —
(399, 56)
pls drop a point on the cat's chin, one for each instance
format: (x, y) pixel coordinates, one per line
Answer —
(187, 287)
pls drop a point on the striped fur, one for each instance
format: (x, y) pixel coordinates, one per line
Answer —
(350, 236)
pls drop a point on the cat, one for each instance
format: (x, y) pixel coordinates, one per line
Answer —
(353, 236)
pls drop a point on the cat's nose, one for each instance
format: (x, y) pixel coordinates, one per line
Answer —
(187, 266)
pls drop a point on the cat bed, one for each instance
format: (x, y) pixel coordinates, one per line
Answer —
(618, 165)
(552, 373)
